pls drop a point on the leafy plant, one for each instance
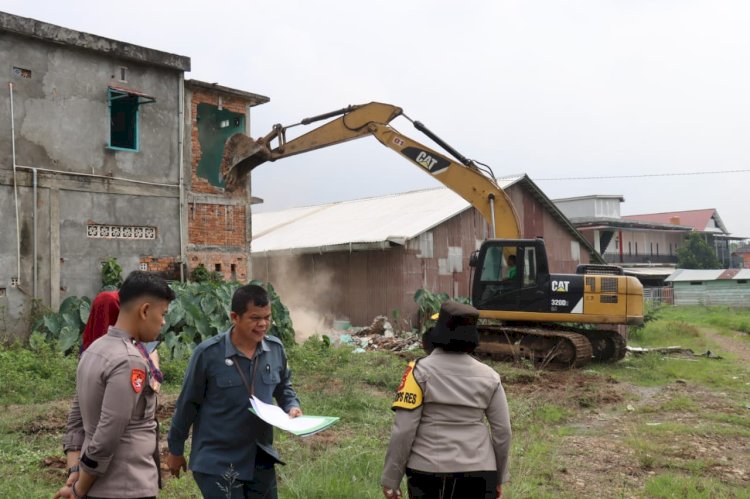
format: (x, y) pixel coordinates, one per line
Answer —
(202, 274)
(201, 311)
(429, 304)
(111, 274)
(696, 253)
(62, 329)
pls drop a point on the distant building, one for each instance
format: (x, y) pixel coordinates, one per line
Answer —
(107, 152)
(730, 287)
(368, 257)
(742, 254)
(626, 241)
(706, 221)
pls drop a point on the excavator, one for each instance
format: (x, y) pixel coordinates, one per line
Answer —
(525, 311)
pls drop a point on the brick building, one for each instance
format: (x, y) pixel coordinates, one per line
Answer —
(218, 220)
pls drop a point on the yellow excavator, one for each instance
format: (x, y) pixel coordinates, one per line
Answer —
(525, 311)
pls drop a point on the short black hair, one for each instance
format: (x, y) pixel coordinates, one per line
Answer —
(246, 294)
(140, 283)
(455, 345)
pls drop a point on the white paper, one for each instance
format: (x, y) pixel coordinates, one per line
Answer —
(301, 425)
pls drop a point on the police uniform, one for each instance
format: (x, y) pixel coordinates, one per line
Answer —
(112, 421)
(214, 401)
(439, 428)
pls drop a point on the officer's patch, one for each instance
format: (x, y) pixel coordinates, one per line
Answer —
(408, 393)
(137, 379)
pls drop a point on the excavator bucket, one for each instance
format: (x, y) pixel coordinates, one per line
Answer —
(241, 155)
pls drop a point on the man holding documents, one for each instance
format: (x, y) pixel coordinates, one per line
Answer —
(224, 373)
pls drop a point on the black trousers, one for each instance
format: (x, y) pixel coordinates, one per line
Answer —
(466, 485)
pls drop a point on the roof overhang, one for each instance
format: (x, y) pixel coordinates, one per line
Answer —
(254, 99)
(59, 35)
(143, 98)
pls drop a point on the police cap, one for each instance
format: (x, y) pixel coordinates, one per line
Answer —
(456, 328)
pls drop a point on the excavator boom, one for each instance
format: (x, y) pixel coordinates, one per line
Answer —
(242, 154)
(533, 298)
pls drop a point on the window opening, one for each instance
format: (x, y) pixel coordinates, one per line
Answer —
(217, 267)
(123, 74)
(529, 268)
(124, 117)
(22, 72)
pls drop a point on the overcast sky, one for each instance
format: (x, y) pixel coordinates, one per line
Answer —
(551, 88)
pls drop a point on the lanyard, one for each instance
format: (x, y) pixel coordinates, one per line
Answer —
(249, 386)
(155, 372)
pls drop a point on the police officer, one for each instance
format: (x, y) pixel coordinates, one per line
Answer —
(112, 426)
(439, 439)
(223, 373)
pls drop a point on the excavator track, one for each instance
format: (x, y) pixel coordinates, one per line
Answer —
(607, 345)
(545, 347)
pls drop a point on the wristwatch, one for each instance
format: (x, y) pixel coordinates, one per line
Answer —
(73, 469)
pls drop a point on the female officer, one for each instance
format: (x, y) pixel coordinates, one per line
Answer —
(439, 439)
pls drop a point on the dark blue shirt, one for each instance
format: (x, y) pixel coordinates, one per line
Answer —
(214, 401)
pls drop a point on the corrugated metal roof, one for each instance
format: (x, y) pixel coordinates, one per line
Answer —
(395, 218)
(649, 271)
(364, 223)
(680, 275)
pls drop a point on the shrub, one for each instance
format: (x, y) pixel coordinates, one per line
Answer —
(111, 274)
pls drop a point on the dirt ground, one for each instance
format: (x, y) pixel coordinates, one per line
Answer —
(602, 451)
(608, 449)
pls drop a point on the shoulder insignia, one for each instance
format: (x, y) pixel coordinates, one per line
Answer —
(137, 379)
(409, 393)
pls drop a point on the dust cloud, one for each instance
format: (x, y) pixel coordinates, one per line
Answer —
(306, 287)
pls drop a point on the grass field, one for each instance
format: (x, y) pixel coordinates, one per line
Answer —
(648, 426)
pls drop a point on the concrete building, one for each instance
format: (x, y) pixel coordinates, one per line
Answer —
(730, 287)
(626, 241)
(103, 154)
(368, 257)
(706, 221)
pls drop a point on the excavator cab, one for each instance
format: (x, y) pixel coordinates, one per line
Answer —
(511, 274)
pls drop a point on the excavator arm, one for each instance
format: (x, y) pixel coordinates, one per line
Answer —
(242, 154)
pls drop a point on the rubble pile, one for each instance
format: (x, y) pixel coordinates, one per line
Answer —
(380, 335)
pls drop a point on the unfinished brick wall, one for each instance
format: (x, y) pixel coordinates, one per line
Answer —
(167, 266)
(232, 265)
(216, 225)
(228, 102)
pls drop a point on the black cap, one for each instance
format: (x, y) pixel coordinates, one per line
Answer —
(456, 327)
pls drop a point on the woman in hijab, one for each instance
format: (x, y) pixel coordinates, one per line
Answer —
(104, 311)
(439, 438)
